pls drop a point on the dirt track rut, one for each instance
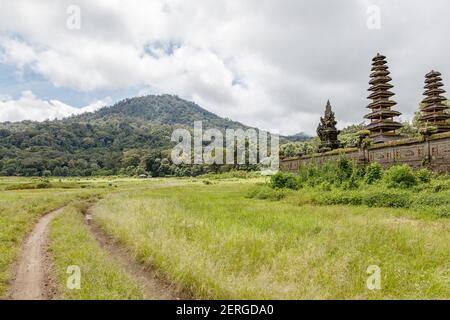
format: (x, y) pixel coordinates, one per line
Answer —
(31, 281)
(153, 287)
(32, 275)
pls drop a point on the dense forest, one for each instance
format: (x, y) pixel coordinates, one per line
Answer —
(132, 138)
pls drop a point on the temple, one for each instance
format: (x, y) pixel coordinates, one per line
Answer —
(430, 149)
(433, 109)
(382, 126)
(327, 131)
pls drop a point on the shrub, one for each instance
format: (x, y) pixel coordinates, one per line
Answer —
(43, 185)
(339, 197)
(374, 172)
(325, 186)
(383, 199)
(441, 186)
(431, 200)
(423, 175)
(345, 168)
(352, 183)
(443, 212)
(282, 180)
(360, 172)
(264, 192)
(400, 176)
(387, 199)
(310, 174)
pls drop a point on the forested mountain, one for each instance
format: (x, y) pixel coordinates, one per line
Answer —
(131, 137)
(163, 109)
(301, 136)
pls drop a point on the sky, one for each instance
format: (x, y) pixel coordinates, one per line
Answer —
(272, 64)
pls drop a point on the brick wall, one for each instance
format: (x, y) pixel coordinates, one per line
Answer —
(433, 153)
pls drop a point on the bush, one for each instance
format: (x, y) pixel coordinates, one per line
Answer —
(441, 186)
(432, 200)
(266, 193)
(374, 172)
(387, 199)
(400, 176)
(282, 180)
(345, 168)
(443, 212)
(423, 175)
(382, 199)
(43, 185)
(325, 186)
(339, 197)
(351, 184)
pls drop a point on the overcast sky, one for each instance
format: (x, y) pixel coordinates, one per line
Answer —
(266, 63)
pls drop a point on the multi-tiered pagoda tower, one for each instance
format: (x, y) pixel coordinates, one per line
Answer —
(433, 108)
(382, 126)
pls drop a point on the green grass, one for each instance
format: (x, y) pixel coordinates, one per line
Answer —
(19, 211)
(217, 243)
(22, 204)
(239, 239)
(72, 244)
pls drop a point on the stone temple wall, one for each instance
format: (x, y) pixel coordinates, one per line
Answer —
(434, 153)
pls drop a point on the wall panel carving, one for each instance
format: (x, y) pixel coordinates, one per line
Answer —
(435, 154)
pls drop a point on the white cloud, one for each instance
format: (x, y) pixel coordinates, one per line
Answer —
(28, 107)
(16, 52)
(262, 62)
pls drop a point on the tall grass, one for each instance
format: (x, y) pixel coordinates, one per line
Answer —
(19, 211)
(217, 244)
(73, 245)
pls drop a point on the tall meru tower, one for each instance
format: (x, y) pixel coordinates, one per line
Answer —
(382, 126)
(433, 109)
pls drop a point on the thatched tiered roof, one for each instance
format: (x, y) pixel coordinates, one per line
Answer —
(433, 109)
(382, 126)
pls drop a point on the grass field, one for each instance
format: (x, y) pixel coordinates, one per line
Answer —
(73, 245)
(19, 211)
(214, 240)
(232, 247)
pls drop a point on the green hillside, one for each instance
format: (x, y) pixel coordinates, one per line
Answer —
(163, 109)
(130, 137)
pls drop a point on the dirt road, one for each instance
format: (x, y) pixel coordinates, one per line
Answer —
(152, 286)
(31, 281)
(32, 275)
